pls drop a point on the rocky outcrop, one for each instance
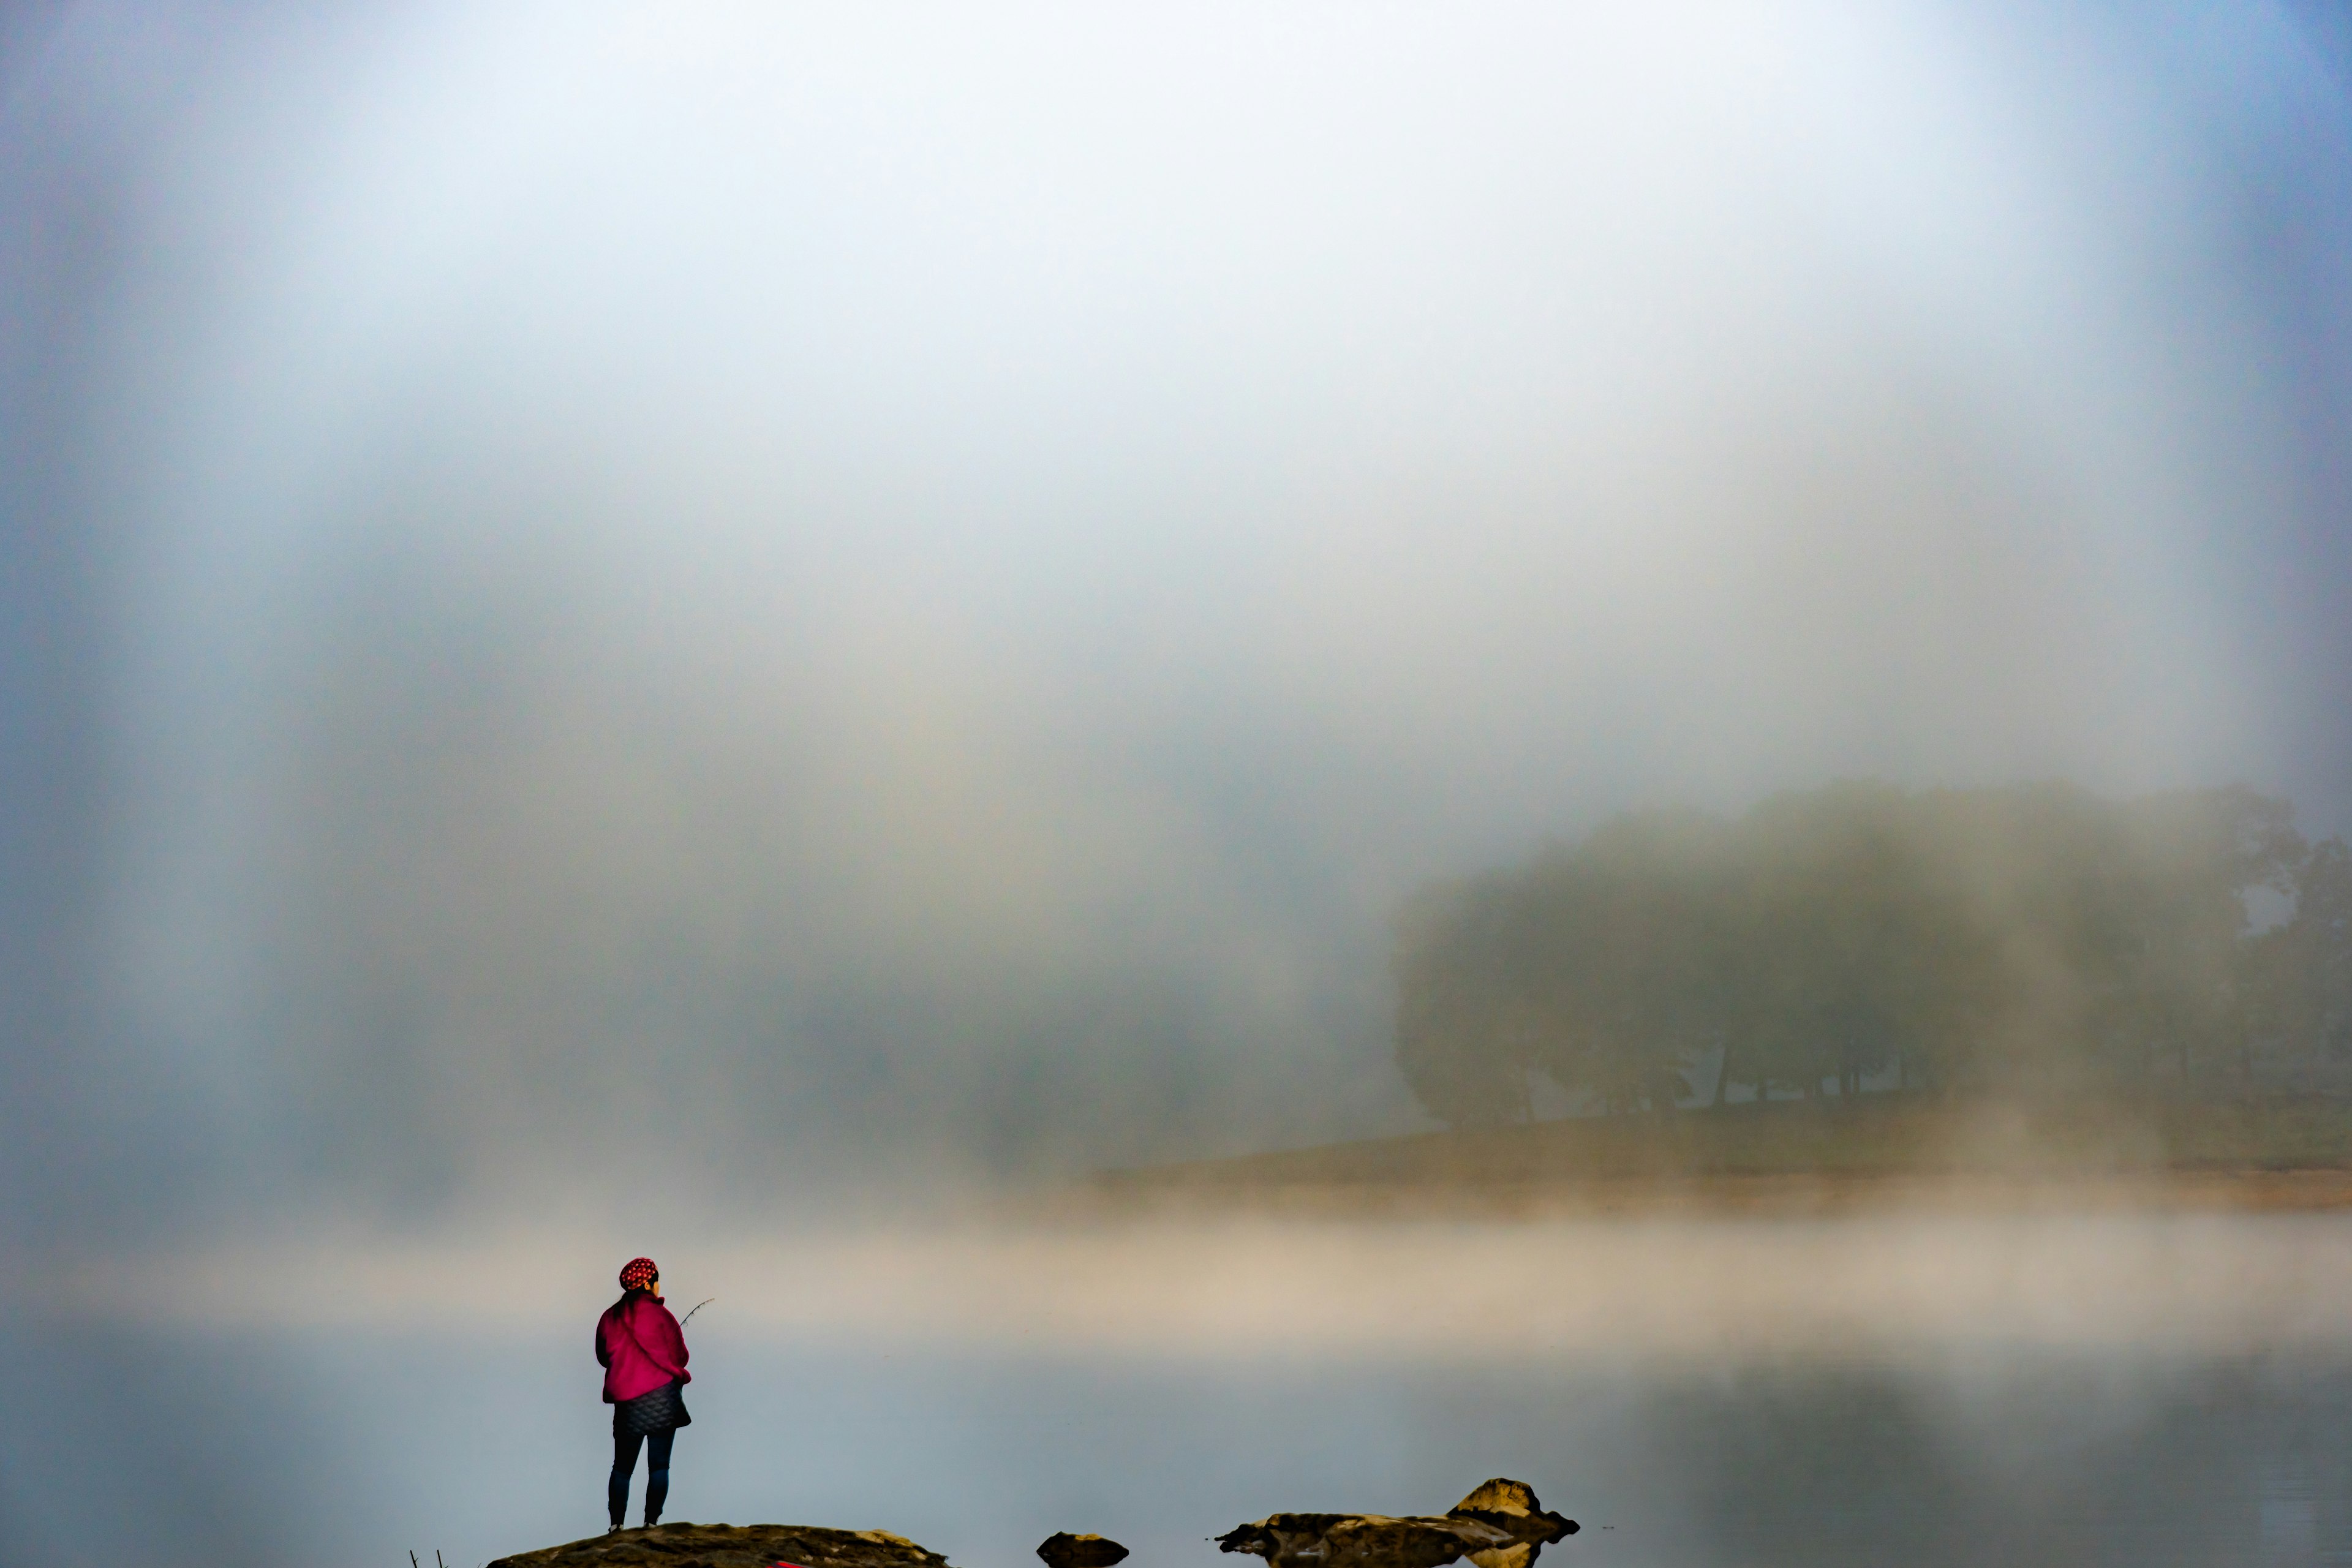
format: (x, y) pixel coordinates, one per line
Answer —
(1064, 1550)
(1499, 1525)
(686, 1546)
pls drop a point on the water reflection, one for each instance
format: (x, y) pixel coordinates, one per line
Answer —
(462, 1429)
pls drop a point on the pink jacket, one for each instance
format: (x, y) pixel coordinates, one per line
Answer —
(640, 1347)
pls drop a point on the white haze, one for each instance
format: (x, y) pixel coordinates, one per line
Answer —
(751, 603)
(1908, 1286)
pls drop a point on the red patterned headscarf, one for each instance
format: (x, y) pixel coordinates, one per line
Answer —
(637, 1273)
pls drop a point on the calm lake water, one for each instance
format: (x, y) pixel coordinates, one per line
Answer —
(353, 1444)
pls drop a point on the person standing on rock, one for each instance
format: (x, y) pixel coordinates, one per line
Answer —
(643, 1351)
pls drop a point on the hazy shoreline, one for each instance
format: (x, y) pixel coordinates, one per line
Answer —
(1888, 1153)
(1762, 1194)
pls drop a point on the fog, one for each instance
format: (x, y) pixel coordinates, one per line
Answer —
(751, 598)
(1889, 1288)
(628, 624)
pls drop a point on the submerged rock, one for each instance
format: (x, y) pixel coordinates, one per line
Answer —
(1064, 1550)
(1499, 1525)
(683, 1545)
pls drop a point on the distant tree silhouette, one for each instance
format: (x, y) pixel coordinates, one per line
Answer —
(2034, 938)
(2296, 978)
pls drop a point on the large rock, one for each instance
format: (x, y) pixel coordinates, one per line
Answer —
(1500, 1525)
(1360, 1540)
(684, 1545)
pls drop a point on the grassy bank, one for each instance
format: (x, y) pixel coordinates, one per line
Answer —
(1894, 1141)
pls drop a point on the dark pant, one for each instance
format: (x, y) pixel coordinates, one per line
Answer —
(625, 1465)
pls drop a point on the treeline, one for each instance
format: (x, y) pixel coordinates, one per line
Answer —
(2030, 940)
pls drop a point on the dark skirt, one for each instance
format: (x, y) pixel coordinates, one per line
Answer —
(648, 1414)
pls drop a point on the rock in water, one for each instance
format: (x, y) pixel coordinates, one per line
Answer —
(1064, 1550)
(683, 1545)
(1499, 1496)
(1511, 1506)
(1500, 1525)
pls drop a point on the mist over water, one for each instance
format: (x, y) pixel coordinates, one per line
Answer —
(2061, 1388)
(635, 631)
